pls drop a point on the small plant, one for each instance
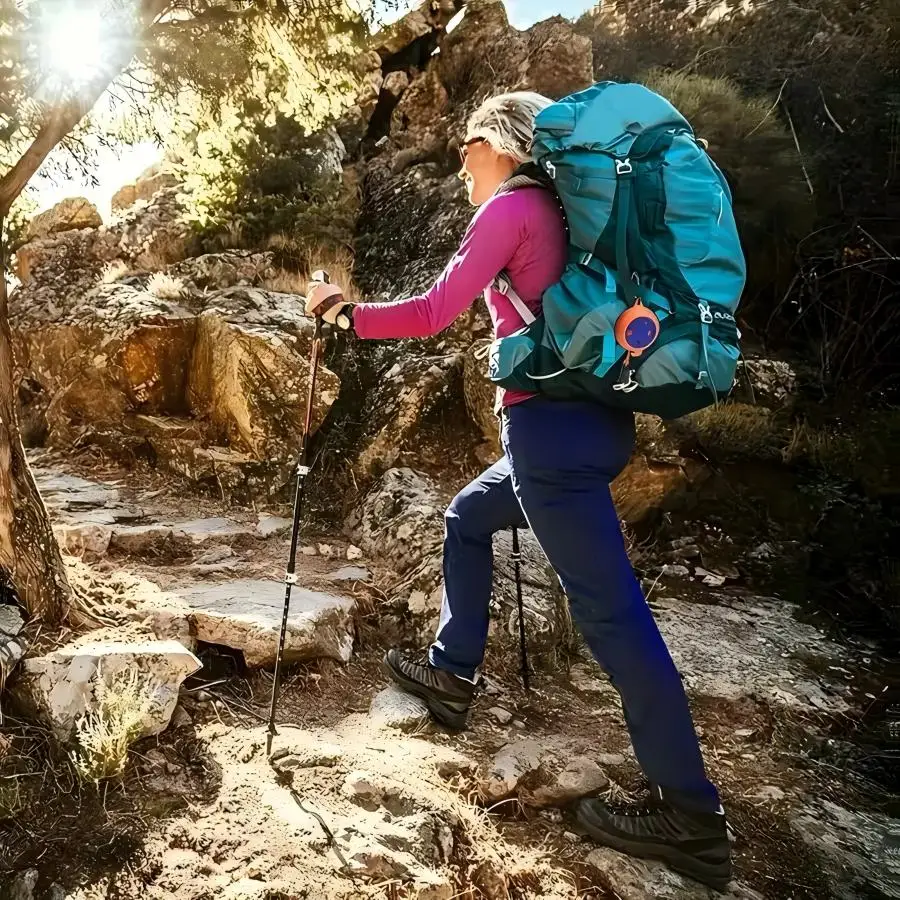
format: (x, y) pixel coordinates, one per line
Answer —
(114, 271)
(104, 734)
(304, 260)
(165, 287)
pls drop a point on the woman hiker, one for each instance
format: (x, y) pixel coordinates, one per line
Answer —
(559, 458)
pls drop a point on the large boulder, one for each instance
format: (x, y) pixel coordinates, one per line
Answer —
(424, 21)
(558, 61)
(401, 518)
(68, 215)
(211, 383)
(69, 682)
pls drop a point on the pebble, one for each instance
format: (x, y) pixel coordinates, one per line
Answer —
(610, 759)
(354, 552)
(503, 716)
(309, 551)
(769, 792)
(326, 550)
(571, 837)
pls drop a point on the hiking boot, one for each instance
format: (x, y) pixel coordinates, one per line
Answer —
(692, 843)
(447, 696)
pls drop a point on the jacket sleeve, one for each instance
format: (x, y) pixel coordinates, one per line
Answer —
(488, 245)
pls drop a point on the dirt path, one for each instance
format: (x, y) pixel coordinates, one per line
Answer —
(361, 808)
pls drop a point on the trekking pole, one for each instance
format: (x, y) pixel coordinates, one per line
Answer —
(301, 471)
(523, 650)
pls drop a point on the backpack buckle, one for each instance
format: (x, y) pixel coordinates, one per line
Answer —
(624, 167)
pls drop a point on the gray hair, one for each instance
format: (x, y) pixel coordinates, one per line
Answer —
(506, 122)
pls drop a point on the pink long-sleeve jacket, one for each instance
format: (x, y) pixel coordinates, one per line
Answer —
(522, 232)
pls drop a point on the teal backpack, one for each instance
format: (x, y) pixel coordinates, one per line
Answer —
(653, 248)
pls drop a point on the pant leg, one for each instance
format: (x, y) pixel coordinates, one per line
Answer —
(563, 457)
(485, 506)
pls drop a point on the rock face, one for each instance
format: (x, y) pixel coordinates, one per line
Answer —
(148, 184)
(245, 614)
(68, 215)
(63, 685)
(750, 646)
(213, 384)
(402, 519)
(860, 850)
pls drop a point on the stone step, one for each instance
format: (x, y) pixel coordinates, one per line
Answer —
(245, 614)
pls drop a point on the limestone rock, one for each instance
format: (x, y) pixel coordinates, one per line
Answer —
(148, 184)
(539, 776)
(760, 650)
(393, 708)
(859, 850)
(426, 19)
(559, 784)
(85, 537)
(395, 83)
(268, 525)
(510, 766)
(62, 685)
(212, 386)
(400, 404)
(245, 614)
(637, 879)
(68, 215)
(421, 106)
(769, 382)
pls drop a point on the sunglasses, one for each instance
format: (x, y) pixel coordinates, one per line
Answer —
(464, 148)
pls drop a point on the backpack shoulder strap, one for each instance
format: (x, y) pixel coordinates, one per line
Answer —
(504, 285)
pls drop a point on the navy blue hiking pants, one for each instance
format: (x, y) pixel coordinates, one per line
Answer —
(559, 459)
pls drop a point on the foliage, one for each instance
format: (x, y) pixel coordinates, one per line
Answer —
(280, 180)
(105, 733)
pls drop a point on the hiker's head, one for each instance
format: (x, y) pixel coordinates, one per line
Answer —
(497, 141)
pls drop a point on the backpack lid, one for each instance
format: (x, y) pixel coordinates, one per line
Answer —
(603, 117)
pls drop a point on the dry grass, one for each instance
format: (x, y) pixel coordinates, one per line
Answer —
(104, 734)
(821, 448)
(165, 287)
(337, 262)
(738, 431)
(114, 271)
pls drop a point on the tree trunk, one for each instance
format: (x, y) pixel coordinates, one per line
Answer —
(29, 555)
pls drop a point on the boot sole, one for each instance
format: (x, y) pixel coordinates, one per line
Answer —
(715, 875)
(440, 709)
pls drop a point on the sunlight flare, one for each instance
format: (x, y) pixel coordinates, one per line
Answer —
(78, 41)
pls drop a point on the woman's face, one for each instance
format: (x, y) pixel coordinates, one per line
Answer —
(483, 169)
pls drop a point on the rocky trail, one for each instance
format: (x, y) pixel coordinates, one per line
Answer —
(365, 797)
(162, 384)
